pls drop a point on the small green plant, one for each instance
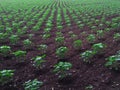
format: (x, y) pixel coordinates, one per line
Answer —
(78, 22)
(77, 44)
(59, 27)
(43, 48)
(114, 25)
(83, 33)
(36, 28)
(100, 25)
(72, 35)
(27, 44)
(39, 61)
(97, 21)
(9, 30)
(108, 23)
(20, 55)
(68, 24)
(32, 85)
(99, 47)
(61, 69)
(113, 62)
(20, 32)
(81, 26)
(6, 76)
(14, 39)
(5, 50)
(59, 34)
(87, 55)
(46, 36)
(47, 30)
(107, 29)
(116, 36)
(89, 87)
(93, 27)
(61, 52)
(59, 41)
(91, 38)
(30, 36)
(2, 27)
(3, 37)
(100, 34)
(49, 24)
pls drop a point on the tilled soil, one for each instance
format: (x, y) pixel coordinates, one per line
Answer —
(95, 74)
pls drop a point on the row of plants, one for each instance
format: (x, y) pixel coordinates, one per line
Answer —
(96, 49)
(60, 69)
(90, 20)
(113, 61)
(14, 24)
(48, 26)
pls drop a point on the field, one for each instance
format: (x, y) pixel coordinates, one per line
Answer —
(59, 44)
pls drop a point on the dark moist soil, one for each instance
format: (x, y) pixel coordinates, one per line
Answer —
(83, 75)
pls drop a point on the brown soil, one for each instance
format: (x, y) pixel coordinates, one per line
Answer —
(95, 74)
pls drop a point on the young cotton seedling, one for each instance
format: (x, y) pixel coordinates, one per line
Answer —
(20, 32)
(108, 23)
(59, 27)
(81, 26)
(2, 27)
(6, 76)
(47, 30)
(114, 25)
(39, 61)
(91, 38)
(100, 25)
(43, 48)
(3, 37)
(59, 41)
(46, 35)
(99, 47)
(27, 44)
(61, 69)
(30, 36)
(100, 34)
(89, 87)
(9, 31)
(14, 39)
(61, 52)
(93, 27)
(5, 50)
(113, 62)
(107, 29)
(77, 44)
(20, 55)
(72, 35)
(116, 36)
(87, 55)
(36, 28)
(32, 85)
(49, 24)
(59, 34)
